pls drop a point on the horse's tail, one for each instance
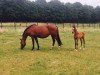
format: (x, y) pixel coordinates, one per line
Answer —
(58, 37)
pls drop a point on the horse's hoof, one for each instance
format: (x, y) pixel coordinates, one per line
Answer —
(59, 46)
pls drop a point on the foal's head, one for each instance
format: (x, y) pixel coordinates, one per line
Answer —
(23, 43)
(74, 30)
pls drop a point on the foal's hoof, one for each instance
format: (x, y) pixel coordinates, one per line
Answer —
(83, 48)
(59, 46)
(32, 49)
(75, 49)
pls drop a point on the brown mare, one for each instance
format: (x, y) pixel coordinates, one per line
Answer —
(35, 32)
(77, 36)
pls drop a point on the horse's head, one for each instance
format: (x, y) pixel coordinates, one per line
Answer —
(23, 43)
(74, 29)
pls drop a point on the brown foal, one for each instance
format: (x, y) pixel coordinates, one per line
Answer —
(77, 36)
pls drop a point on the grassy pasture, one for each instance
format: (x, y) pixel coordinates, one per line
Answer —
(64, 61)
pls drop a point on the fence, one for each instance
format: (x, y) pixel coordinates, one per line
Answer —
(25, 24)
(82, 25)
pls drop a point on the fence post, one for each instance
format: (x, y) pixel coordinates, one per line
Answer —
(99, 25)
(89, 25)
(77, 24)
(15, 25)
(26, 24)
(1, 25)
(83, 25)
(94, 25)
(20, 25)
(70, 24)
(37, 23)
(63, 25)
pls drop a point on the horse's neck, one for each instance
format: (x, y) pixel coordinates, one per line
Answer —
(24, 37)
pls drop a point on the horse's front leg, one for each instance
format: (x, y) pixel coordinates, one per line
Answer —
(32, 42)
(36, 39)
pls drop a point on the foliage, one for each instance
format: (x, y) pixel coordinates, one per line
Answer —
(42, 11)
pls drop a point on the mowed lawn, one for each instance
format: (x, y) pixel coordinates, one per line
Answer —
(64, 61)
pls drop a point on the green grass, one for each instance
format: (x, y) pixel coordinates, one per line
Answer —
(64, 61)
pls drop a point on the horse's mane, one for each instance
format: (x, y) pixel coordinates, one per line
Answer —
(28, 28)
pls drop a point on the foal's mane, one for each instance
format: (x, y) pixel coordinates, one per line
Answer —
(28, 28)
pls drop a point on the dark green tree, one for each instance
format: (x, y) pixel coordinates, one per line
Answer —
(42, 11)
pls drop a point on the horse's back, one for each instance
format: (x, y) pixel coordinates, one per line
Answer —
(53, 29)
(46, 30)
(42, 31)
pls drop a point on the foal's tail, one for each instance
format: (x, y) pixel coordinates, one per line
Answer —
(58, 37)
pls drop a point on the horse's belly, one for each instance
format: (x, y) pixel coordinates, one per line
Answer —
(43, 35)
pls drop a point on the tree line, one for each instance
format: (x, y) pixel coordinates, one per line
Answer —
(42, 11)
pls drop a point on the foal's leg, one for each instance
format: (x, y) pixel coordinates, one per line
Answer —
(84, 41)
(76, 44)
(81, 43)
(32, 42)
(53, 39)
(36, 39)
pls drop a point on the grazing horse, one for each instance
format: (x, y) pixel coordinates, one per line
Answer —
(35, 32)
(77, 36)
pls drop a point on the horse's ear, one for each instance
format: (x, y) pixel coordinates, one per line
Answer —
(20, 39)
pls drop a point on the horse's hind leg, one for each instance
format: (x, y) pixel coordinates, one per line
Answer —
(58, 41)
(37, 42)
(53, 39)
